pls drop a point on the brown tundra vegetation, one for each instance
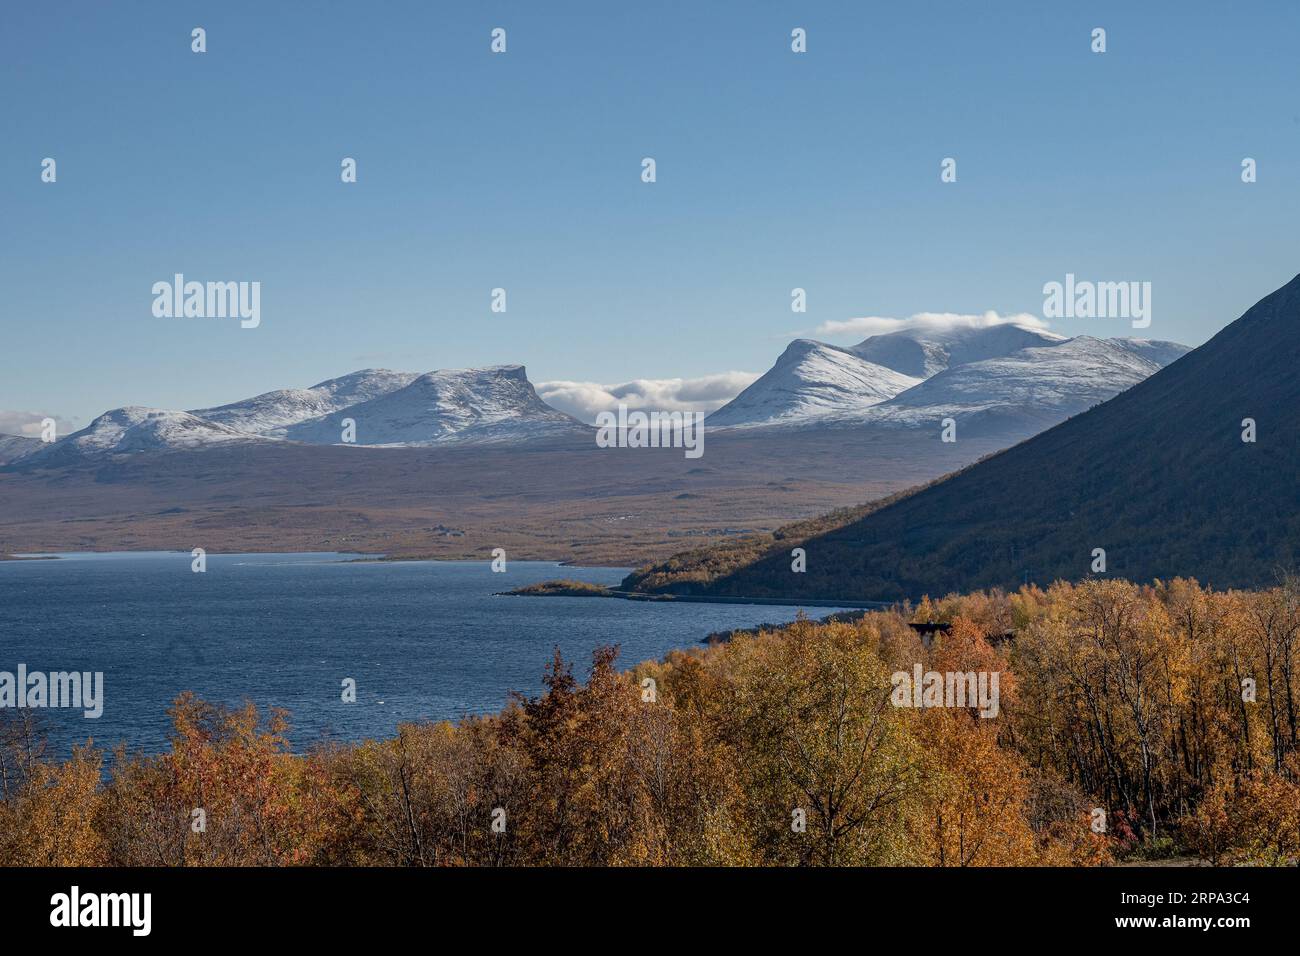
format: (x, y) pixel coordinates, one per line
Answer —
(1169, 708)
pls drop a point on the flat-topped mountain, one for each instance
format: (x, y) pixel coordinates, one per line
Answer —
(495, 404)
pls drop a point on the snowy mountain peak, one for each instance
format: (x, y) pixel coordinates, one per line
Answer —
(810, 380)
(362, 379)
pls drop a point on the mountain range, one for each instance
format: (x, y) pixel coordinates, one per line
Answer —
(386, 408)
(1003, 380)
(1191, 472)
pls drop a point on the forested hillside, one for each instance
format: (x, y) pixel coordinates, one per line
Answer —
(1133, 722)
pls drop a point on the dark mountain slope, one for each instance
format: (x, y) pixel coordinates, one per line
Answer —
(1158, 476)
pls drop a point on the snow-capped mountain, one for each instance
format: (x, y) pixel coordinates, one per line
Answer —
(272, 412)
(14, 447)
(135, 429)
(1041, 385)
(496, 404)
(811, 381)
(1007, 376)
(493, 404)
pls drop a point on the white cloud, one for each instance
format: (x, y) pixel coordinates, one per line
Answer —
(708, 393)
(876, 325)
(28, 424)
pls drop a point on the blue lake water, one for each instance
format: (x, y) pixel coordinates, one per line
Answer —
(423, 640)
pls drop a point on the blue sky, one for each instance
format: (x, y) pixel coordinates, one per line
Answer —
(522, 171)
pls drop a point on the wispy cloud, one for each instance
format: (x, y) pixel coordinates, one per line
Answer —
(28, 424)
(877, 325)
(583, 400)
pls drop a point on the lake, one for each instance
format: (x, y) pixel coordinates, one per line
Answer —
(423, 639)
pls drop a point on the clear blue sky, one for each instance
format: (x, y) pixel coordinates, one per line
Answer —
(522, 170)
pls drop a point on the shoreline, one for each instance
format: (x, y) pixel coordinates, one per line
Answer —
(569, 589)
(360, 556)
